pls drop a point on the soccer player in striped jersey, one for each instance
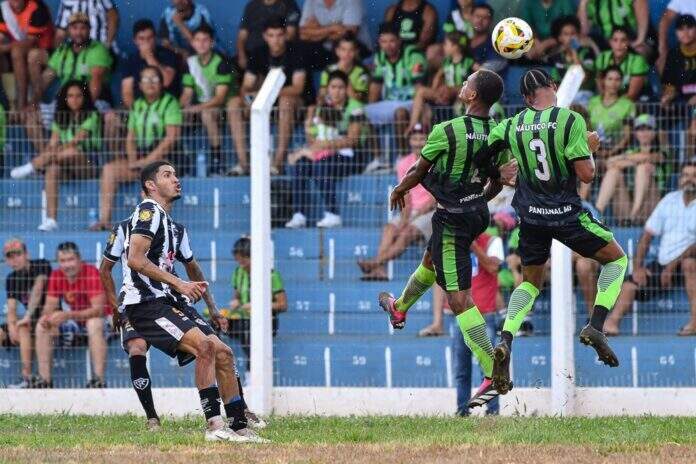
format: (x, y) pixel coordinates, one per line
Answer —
(447, 168)
(551, 147)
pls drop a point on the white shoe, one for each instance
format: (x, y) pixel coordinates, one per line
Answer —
(20, 172)
(48, 225)
(225, 434)
(298, 221)
(251, 436)
(254, 421)
(330, 220)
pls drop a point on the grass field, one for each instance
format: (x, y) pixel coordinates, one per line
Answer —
(384, 440)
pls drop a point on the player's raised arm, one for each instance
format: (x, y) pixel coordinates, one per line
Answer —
(488, 158)
(578, 149)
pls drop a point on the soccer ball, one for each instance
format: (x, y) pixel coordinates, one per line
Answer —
(512, 38)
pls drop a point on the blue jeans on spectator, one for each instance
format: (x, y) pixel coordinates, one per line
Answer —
(462, 366)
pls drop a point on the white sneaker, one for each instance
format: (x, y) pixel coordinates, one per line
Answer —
(252, 436)
(330, 220)
(20, 172)
(254, 421)
(225, 434)
(48, 225)
(298, 221)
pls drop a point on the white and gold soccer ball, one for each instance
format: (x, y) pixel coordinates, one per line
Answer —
(512, 38)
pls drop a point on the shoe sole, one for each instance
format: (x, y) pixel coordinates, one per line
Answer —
(501, 371)
(602, 348)
(384, 298)
(477, 401)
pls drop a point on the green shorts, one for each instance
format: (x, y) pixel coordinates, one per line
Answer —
(450, 246)
(585, 236)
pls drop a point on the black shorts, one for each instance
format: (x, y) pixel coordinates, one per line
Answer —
(585, 236)
(653, 285)
(160, 323)
(450, 246)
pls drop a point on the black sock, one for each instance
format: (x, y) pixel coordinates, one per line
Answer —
(235, 411)
(241, 393)
(210, 401)
(598, 317)
(142, 384)
(507, 338)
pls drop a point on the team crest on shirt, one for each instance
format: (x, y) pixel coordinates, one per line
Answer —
(145, 215)
(112, 238)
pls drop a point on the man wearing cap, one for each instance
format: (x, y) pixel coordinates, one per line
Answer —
(26, 284)
(679, 76)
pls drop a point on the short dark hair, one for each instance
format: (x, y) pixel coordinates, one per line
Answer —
(489, 86)
(458, 39)
(149, 172)
(143, 25)
(205, 28)
(348, 37)
(274, 22)
(242, 246)
(625, 30)
(388, 28)
(155, 69)
(338, 74)
(485, 6)
(558, 25)
(612, 68)
(533, 79)
(68, 247)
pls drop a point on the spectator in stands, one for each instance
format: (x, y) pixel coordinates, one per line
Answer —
(458, 20)
(679, 76)
(572, 49)
(411, 225)
(674, 9)
(208, 84)
(71, 152)
(323, 22)
(103, 19)
(255, 16)
(604, 16)
(633, 66)
(399, 70)
(446, 84)
(149, 53)
(26, 284)
(347, 52)
(240, 306)
(178, 23)
(74, 311)
(415, 20)
(481, 47)
(154, 128)
(277, 53)
(645, 161)
(540, 14)
(337, 134)
(672, 221)
(26, 36)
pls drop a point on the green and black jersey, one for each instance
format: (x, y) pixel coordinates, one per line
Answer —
(90, 124)
(453, 179)
(358, 77)
(241, 284)
(399, 79)
(608, 14)
(632, 65)
(149, 121)
(545, 144)
(69, 65)
(456, 73)
(205, 78)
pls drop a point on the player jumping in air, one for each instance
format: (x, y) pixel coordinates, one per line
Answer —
(150, 302)
(447, 169)
(550, 145)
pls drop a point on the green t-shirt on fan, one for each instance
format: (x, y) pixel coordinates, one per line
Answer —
(609, 121)
(204, 78)
(69, 65)
(150, 120)
(91, 124)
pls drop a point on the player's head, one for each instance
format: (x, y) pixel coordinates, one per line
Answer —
(158, 180)
(69, 259)
(538, 87)
(483, 86)
(389, 40)
(78, 28)
(241, 251)
(687, 178)
(203, 39)
(15, 251)
(274, 34)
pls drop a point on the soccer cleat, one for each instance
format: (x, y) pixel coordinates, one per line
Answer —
(592, 337)
(485, 393)
(254, 421)
(225, 434)
(251, 436)
(501, 368)
(153, 425)
(397, 318)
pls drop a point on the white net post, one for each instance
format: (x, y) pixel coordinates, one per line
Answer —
(261, 249)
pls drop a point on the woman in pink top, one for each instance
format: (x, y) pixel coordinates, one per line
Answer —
(414, 222)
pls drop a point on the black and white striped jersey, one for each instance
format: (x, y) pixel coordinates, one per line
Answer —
(169, 243)
(95, 9)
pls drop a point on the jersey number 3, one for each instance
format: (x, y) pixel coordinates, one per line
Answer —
(542, 171)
